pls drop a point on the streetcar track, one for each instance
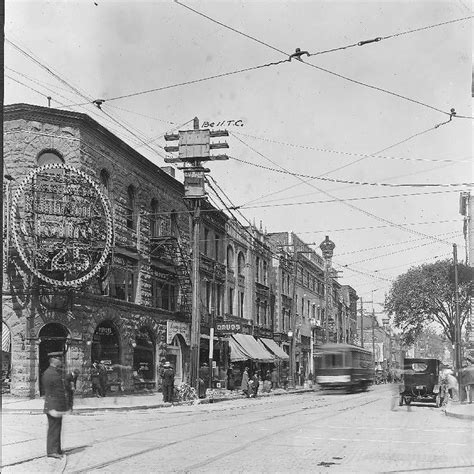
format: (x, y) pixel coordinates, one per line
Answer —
(227, 453)
(176, 425)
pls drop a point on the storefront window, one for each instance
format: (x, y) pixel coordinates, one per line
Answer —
(144, 355)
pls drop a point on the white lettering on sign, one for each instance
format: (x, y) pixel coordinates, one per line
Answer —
(174, 328)
(223, 123)
(228, 327)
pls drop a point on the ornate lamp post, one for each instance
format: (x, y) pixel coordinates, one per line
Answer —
(327, 248)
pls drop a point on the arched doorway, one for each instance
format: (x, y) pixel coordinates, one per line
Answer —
(53, 337)
(6, 357)
(144, 354)
(106, 344)
(175, 356)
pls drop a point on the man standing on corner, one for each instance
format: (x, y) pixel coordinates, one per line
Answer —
(168, 382)
(55, 405)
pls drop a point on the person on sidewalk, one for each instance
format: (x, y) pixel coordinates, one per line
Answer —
(102, 379)
(95, 379)
(467, 380)
(55, 405)
(168, 382)
(70, 382)
(244, 386)
(274, 378)
(230, 378)
(255, 383)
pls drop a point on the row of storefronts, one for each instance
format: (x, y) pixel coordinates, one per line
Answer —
(97, 251)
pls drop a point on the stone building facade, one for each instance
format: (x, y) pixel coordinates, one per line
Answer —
(135, 311)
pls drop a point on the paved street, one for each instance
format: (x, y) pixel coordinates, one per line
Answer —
(310, 432)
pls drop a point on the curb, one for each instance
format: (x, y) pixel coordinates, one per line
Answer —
(203, 401)
(459, 415)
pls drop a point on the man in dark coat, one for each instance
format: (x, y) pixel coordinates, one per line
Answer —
(55, 405)
(204, 378)
(167, 375)
(102, 379)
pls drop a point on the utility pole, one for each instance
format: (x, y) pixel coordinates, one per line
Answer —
(291, 378)
(457, 322)
(361, 323)
(373, 335)
(193, 148)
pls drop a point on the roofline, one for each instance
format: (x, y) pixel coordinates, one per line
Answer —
(22, 111)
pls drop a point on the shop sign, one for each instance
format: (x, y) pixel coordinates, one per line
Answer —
(228, 328)
(174, 328)
(104, 331)
(61, 225)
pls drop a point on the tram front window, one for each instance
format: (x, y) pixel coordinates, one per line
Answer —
(333, 360)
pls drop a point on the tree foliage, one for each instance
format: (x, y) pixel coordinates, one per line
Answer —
(425, 294)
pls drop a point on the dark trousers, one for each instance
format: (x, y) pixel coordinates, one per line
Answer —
(167, 393)
(53, 440)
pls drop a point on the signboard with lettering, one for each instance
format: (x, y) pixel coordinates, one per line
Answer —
(174, 328)
(228, 328)
(61, 225)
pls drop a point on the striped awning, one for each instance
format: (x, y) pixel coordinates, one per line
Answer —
(275, 348)
(254, 349)
(5, 338)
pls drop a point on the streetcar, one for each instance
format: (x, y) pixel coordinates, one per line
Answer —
(344, 366)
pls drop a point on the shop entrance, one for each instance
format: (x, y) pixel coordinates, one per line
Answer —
(175, 356)
(6, 357)
(53, 337)
(144, 355)
(106, 344)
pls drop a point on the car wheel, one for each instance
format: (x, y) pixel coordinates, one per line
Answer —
(408, 401)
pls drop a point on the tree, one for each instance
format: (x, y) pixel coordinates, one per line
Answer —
(425, 294)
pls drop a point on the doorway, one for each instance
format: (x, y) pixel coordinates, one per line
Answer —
(53, 337)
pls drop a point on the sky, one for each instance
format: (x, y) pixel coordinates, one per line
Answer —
(299, 120)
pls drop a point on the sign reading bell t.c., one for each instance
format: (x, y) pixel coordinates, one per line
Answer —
(223, 123)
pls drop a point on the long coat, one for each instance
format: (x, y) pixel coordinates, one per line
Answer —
(245, 381)
(54, 393)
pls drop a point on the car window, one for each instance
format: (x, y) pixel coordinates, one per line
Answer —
(419, 367)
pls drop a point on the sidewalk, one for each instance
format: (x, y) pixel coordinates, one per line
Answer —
(130, 402)
(460, 410)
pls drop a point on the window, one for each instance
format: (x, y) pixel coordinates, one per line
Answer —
(48, 157)
(130, 208)
(206, 241)
(163, 295)
(265, 273)
(105, 178)
(230, 258)
(208, 296)
(257, 269)
(231, 301)
(218, 300)
(241, 304)
(258, 311)
(155, 221)
(122, 284)
(217, 247)
(241, 264)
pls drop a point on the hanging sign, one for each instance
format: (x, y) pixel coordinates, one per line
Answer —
(228, 328)
(61, 224)
(174, 328)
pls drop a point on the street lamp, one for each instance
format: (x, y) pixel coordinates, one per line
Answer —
(291, 380)
(327, 248)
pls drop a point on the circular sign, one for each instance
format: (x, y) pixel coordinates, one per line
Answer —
(61, 225)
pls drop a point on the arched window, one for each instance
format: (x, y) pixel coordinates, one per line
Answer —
(257, 270)
(154, 219)
(265, 273)
(241, 264)
(48, 157)
(230, 258)
(130, 207)
(105, 178)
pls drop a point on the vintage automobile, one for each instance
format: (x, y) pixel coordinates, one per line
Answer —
(421, 382)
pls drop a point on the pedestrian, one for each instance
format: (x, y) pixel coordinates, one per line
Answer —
(70, 382)
(204, 379)
(274, 379)
(255, 383)
(230, 378)
(102, 379)
(244, 386)
(167, 375)
(467, 381)
(95, 379)
(55, 405)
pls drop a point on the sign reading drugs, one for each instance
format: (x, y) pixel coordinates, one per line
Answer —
(61, 225)
(228, 328)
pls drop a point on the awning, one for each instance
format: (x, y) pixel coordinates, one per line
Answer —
(5, 338)
(255, 350)
(237, 354)
(276, 349)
